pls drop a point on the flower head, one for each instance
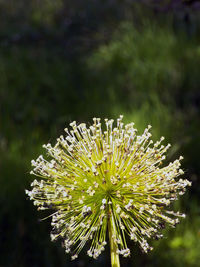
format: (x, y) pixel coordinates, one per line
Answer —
(114, 178)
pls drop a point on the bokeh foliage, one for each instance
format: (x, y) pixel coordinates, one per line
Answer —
(64, 61)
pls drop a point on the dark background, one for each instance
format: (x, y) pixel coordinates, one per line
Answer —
(72, 60)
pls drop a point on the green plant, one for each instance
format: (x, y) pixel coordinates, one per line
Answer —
(112, 179)
(136, 63)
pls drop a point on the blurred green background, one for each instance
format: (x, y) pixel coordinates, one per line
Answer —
(73, 60)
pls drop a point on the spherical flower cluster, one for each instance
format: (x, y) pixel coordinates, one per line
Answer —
(113, 178)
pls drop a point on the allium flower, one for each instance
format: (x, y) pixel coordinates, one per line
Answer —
(113, 179)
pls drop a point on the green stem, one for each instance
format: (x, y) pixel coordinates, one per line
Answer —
(113, 246)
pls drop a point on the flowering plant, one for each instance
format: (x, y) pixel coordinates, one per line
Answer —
(112, 179)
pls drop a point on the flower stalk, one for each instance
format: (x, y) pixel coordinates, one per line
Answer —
(113, 246)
